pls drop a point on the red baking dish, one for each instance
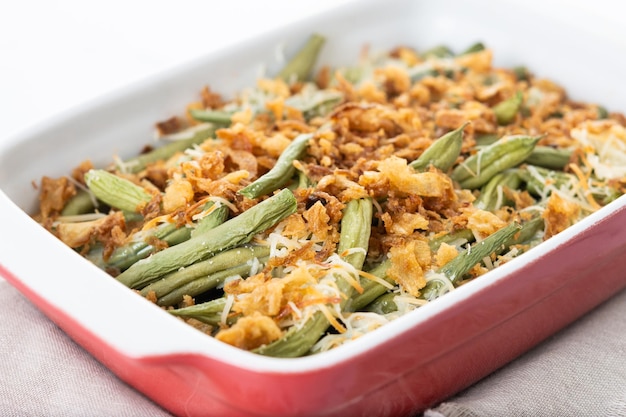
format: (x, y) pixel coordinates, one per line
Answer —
(400, 369)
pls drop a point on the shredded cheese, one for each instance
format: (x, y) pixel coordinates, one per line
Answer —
(226, 311)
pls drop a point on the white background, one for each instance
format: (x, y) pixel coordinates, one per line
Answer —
(55, 55)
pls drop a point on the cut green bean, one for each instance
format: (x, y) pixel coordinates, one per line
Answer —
(211, 116)
(443, 152)
(421, 71)
(185, 140)
(465, 235)
(503, 154)
(209, 312)
(540, 180)
(528, 232)
(549, 157)
(472, 49)
(297, 342)
(216, 217)
(234, 232)
(441, 51)
(355, 234)
(81, 203)
(372, 289)
(281, 172)
(506, 110)
(467, 259)
(384, 304)
(486, 139)
(310, 103)
(303, 180)
(521, 73)
(314, 103)
(116, 191)
(356, 227)
(124, 256)
(492, 196)
(225, 260)
(203, 284)
(299, 68)
(605, 195)
(434, 288)
(453, 270)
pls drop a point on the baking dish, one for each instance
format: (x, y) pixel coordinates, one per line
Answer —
(399, 369)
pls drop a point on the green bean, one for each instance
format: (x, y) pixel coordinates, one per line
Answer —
(132, 217)
(197, 135)
(506, 110)
(303, 180)
(124, 256)
(281, 172)
(434, 288)
(441, 51)
(216, 217)
(467, 259)
(301, 65)
(449, 73)
(353, 75)
(521, 73)
(297, 69)
(172, 282)
(297, 342)
(116, 191)
(528, 232)
(486, 139)
(462, 234)
(209, 312)
(372, 289)
(443, 152)
(204, 284)
(81, 203)
(355, 233)
(476, 47)
(316, 103)
(549, 157)
(505, 153)
(603, 113)
(383, 305)
(234, 232)
(453, 270)
(356, 226)
(605, 195)
(421, 71)
(539, 180)
(491, 196)
(212, 116)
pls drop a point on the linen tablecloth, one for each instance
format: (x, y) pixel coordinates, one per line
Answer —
(579, 372)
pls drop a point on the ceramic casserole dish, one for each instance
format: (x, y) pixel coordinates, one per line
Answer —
(401, 368)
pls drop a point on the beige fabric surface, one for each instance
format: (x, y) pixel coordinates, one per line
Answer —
(43, 373)
(579, 372)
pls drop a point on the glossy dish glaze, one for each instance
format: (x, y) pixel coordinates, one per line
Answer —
(402, 368)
